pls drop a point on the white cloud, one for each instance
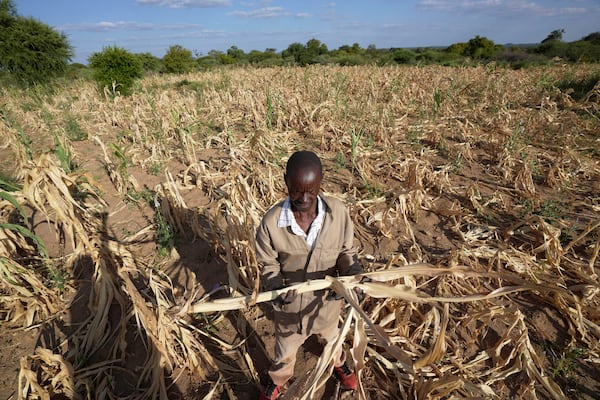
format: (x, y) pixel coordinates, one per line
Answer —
(194, 34)
(502, 7)
(265, 12)
(105, 26)
(187, 3)
(261, 3)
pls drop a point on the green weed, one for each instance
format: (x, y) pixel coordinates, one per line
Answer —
(73, 130)
(552, 210)
(58, 279)
(355, 139)
(120, 153)
(165, 235)
(564, 363)
(372, 190)
(457, 164)
(8, 182)
(64, 155)
(526, 206)
(156, 168)
(414, 139)
(26, 143)
(339, 162)
(515, 140)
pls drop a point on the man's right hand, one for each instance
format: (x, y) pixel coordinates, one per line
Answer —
(287, 297)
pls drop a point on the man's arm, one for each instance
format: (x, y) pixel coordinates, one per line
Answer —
(347, 262)
(266, 256)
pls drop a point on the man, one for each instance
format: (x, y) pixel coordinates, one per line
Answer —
(305, 237)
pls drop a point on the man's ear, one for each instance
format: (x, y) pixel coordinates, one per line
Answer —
(285, 179)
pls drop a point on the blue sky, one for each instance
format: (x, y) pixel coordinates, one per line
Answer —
(203, 25)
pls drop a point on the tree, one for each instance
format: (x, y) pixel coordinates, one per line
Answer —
(30, 51)
(554, 36)
(403, 56)
(314, 47)
(178, 60)
(256, 57)
(294, 50)
(594, 38)
(235, 53)
(116, 68)
(305, 54)
(480, 47)
(8, 13)
(457, 48)
(553, 46)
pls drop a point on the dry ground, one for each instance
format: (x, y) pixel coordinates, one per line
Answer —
(491, 170)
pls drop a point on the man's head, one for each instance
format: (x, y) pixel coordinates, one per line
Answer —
(303, 176)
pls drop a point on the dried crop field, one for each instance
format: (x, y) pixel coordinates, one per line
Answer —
(475, 193)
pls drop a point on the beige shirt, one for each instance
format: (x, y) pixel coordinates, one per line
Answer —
(285, 258)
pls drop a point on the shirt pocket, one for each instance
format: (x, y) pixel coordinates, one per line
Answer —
(328, 257)
(292, 261)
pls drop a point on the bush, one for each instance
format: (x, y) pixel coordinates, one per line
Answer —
(178, 60)
(116, 68)
(518, 58)
(150, 63)
(77, 70)
(583, 51)
(272, 62)
(30, 51)
(552, 48)
(404, 56)
(480, 47)
(352, 59)
(207, 62)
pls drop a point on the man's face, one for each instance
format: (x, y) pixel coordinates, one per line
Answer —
(303, 188)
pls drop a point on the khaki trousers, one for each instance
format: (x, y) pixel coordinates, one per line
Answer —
(286, 348)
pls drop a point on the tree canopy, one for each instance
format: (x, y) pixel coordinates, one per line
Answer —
(116, 69)
(30, 51)
(178, 60)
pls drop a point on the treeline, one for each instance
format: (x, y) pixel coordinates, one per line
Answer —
(114, 64)
(476, 50)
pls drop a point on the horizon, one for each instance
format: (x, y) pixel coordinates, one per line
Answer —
(152, 26)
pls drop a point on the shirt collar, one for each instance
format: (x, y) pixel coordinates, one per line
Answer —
(287, 219)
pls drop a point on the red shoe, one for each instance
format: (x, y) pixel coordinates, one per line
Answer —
(271, 392)
(346, 377)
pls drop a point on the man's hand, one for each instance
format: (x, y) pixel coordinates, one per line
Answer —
(360, 294)
(287, 297)
(333, 295)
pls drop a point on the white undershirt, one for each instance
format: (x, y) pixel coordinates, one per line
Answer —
(287, 219)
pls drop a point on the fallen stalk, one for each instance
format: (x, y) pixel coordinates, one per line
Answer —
(373, 289)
